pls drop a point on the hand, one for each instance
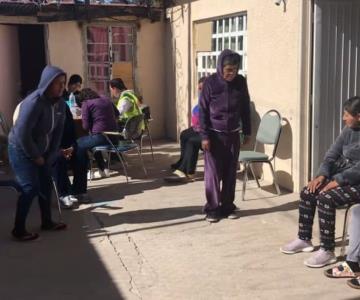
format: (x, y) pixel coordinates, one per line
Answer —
(315, 183)
(67, 153)
(205, 145)
(40, 161)
(331, 185)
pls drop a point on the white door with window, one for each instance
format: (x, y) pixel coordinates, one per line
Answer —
(227, 33)
(336, 73)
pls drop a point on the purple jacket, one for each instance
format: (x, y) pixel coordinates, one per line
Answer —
(224, 106)
(99, 115)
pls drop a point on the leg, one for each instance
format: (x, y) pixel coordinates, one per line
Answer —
(190, 153)
(26, 173)
(327, 204)
(86, 143)
(307, 207)
(213, 168)
(45, 195)
(61, 178)
(229, 173)
(79, 166)
(353, 253)
(184, 136)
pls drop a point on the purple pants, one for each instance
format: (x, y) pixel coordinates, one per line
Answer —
(220, 166)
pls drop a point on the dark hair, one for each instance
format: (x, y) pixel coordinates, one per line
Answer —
(352, 106)
(86, 94)
(75, 78)
(117, 83)
(202, 79)
(232, 59)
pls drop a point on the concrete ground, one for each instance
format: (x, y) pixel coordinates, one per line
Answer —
(148, 240)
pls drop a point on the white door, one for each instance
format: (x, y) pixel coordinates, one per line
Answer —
(336, 74)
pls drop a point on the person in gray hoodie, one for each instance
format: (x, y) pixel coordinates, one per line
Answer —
(33, 147)
(336, 184)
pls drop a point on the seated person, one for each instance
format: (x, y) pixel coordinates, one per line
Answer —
(69, 193)
(125, 100)
(74, 86)
(98, 115)
(190, 144)
(350, 268)
(337, 184)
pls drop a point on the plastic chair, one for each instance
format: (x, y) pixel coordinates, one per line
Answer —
(133, 130)
(268, 134)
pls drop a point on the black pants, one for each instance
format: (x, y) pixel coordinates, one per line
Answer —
(79, 168)
(327, 204)
(190, 144)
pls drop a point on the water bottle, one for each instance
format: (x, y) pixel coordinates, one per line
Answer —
(72, 104)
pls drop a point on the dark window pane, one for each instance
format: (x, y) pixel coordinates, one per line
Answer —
(240, 43)
(220, 44)
(233, 43)
(226, 43)
(241, 23)
(227, 29)
(213, 44)
(233, 24)
(214, 27)
(220, 28)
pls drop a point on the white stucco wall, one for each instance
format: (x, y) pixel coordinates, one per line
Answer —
(149, 72)
(65, 47)
(10, 74)
(274, 68)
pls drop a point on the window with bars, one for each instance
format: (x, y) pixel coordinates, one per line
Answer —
(227, 33)
(107, 48)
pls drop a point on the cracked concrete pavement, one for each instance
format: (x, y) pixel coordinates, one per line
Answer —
(148, 240)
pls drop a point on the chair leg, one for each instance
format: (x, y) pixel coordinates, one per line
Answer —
(244, 181)
(275, 182)
(344, 235)
(142, 161)
(123, 165)
(57, 199)
(151, 144)
(253, 174)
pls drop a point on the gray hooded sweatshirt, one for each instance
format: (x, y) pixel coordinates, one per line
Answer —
(40, 123)
(342, 160)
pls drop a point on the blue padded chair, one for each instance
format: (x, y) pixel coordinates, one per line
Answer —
(268, 134)
(133, 130)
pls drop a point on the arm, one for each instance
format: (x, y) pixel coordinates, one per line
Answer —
(29, 115)
(245, 112)
(204, 104)
(85, 115)
(331, 156)
(56, 136)
(124, 106)
(350, 176)
(116, 111)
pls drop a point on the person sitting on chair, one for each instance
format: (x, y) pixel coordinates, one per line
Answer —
(125, 101)
(98, 115)
(336, 184)
(350, 267)
(190, 144)
(69, 193)
(74, 86)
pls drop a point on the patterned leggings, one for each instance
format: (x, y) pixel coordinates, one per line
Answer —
(327, 204)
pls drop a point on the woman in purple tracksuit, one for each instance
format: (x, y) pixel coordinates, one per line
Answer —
(224, 104)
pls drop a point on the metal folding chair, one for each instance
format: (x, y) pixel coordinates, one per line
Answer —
(268, 134)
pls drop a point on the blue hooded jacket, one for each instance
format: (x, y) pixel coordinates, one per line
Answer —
(39, 126)
(224, 105)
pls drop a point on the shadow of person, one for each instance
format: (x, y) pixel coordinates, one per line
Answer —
(142, 216)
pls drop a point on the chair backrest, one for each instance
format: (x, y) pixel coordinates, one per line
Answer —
(270, 129)
(4, 125)
(133, 128)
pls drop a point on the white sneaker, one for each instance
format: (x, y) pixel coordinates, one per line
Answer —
(101, 174)
(321, 258)
(296, 246)
(73, 199)
(66, 202)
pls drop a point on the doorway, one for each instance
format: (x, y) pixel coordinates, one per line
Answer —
(32, 56)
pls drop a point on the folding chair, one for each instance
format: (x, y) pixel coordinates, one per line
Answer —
(268, 134)
(126, 143)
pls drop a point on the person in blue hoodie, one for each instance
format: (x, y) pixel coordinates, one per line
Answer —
(33, 147)
(224, 105)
